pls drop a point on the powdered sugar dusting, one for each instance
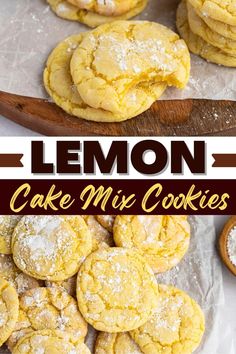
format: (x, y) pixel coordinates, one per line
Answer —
(231, 246)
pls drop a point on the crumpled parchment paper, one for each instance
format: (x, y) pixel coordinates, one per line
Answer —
(199, 274)
(29, 31)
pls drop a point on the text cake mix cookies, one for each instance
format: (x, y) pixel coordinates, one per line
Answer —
(177, 325)
(51, 247)
(95, 13)
(162, 240)
(109, 298)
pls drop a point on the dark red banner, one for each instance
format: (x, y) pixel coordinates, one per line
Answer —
(118, 197)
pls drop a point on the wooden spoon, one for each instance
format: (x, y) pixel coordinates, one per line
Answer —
(223, 240)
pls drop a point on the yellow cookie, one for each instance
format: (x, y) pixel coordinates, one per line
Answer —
(106, 8)
(101, 237)
(116, 343)
(220, 10)
(116, 290)
(114, 59)
(69, 285)
(59, 85)
(48, 308)
(162, 240)
(51, 247)
(197, 45)
(66, 10)
(21, 281)
(9, 307)
(177, 325)
(49, 342)
(199, 27)
(7, 225)
(222, 28)
(106, 221)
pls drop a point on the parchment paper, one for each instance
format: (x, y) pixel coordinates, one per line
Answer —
(29, 31)
(199, 274)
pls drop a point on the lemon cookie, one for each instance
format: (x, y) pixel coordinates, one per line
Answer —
(106, 8)
(223, 11)
(106, 221)
(177, 325)
(59, 85)
(197, 45)
(101, 237)
(116, 343)
(9, 307)
(116, 290)
(114, 59)
(51, 247)
(49, 342)
(68, 11)
(162, 240)
(48, 308)
(21, 281)
(69, 285)
(7, 225)
(199, 27)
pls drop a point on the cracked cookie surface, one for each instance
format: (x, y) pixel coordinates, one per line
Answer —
(109, 298)
(68, 11)
(116, 343)
(106, 221)
(177, 325)
(48, 308)
(21, 281)
(161, 240)
(197, 45)
(200, 28)
(101, 237)
(51, 247)
(114, 59)
(7, 225)
(69, 285)
(60, 86)
(223, 11)
(106, 8)
(49, 342)
(9, 308)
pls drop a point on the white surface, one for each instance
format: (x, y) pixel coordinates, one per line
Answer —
(8, 128)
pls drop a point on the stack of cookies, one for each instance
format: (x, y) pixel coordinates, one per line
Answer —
(62, 273)
(96, 12)
(116, 71)
(209, 29)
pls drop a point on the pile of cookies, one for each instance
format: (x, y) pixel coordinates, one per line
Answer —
(116, 71)
(97, 12)
(209, 29)
(60, 273)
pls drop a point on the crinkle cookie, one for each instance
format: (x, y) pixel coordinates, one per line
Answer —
(7, 225)
(199, 27)
(106, 221)
(51, 247)
(177, 325)
(21, 281)
(116, 290)
(106, 8)
(162, 240)
(60, 86)
(69, 285)
(101, 237)
(116, 343)
(9, 307)
(49, 342)
(114, 59)
(68, 11)
(48, 308)
(197, 45)
(220, 10)
(221, 28)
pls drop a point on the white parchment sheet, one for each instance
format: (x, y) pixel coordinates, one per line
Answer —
(199, 274)
(29, 31)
